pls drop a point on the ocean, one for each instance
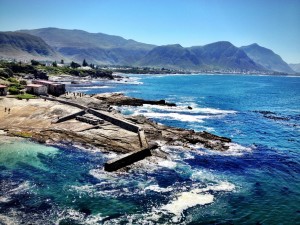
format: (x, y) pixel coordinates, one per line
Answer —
(257, 181)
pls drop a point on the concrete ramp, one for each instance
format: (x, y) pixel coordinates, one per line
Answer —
(71, 116)
(128, 159)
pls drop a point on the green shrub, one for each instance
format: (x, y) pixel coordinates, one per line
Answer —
(5, 72)
(25, 96)
(23, 134)
(16, 85)
(13, 90)
(35, 63)
(13, 80)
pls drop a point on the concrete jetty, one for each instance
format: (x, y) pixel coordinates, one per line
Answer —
(71, 116)
(122, 123)
(128, 159)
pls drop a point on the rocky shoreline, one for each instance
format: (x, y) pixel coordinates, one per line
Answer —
(37, 118)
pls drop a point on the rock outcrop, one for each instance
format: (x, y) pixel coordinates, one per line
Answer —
(38, 119)
(120, 99)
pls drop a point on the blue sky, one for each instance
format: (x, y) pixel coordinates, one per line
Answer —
(274, 24)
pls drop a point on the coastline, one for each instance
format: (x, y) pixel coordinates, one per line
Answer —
(37, 119)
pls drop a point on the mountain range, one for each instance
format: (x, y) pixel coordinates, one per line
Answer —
(104, 49)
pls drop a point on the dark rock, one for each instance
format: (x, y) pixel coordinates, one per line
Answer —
(120, 99)
(264, 112)
(276, 117)
(86, 211)
(271, 115)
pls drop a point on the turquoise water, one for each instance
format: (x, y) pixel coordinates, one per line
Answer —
(256, 182)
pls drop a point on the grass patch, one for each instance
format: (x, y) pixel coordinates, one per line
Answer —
(25, 96)
(23, 134)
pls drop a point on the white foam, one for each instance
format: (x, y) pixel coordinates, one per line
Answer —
(167, 163)
(177, 116)
(111, 155)
(95, 87)
(8, 220)
(157, 188)
(101, 175)
(184, 108)
(223, 186)
(80, 217)
(233, 150)
(186, 200)
(195, 197)
(236, 150)
(22, 187)
(204, 175)
(213, 111)
(4, 199)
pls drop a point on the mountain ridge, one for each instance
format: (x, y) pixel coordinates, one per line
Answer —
(95, 47)
(267, 58)
(215, 56)
(104, 49)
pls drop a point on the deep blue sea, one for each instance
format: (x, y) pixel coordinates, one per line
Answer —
(257, 181)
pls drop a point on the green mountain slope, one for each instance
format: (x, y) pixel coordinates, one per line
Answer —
(94, 47)
(170, 56)
(20, 46)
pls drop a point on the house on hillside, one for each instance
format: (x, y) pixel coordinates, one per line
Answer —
(3, 90)
(53, 88)
(36, 89)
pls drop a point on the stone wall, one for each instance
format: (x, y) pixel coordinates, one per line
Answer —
(72, 116)
(116, 121)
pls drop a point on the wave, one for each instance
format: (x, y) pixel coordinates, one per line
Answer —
(193, 110)
(196, 115)
(200, 188)
(177, 116)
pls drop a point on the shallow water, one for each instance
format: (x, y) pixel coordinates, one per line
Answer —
(256, 182)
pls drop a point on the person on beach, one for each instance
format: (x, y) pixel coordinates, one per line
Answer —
(9, 110)
(5, 109)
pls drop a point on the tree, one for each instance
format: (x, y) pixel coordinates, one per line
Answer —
(84, 63)
(74, 65)
(62, 61)
(54, 64)
(34, 62)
